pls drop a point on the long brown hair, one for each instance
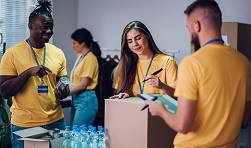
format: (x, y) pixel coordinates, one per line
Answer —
(125, 72)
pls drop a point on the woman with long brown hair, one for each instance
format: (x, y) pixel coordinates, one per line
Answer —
(140, 57)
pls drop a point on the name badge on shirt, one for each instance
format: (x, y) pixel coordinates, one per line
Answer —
(42, 89)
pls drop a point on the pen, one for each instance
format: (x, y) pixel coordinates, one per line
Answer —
(144, 107)
(155, 73)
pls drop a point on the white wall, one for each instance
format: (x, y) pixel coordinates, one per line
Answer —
(65, 14)
(164, 18)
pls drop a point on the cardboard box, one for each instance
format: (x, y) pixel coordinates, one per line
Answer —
(129, 127)
(32, 138)
(238, 36)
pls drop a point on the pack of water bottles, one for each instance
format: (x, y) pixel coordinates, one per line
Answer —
(85, 137)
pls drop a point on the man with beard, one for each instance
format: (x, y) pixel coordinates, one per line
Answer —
(213, 100)
(29, 72)
(195, 42)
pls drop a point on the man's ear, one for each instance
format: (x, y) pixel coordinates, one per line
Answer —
(197, 26)
(30, 26)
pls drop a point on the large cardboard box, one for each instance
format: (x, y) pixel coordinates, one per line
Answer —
(32, 138)
(129, 127)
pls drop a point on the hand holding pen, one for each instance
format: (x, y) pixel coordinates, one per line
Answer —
(155, 73)
(147, 97)
(145, 106)
(156, 108)
(153, 80)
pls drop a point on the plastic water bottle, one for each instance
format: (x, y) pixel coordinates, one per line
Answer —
(99, 127)
(93, 138)
(67, 137)
(77, 139)
(82, 125)
(84, 137)
(102, 138)
(89, 129)
(74, 128)
(99, 134)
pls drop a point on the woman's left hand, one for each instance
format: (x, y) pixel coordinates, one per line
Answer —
(120, 96)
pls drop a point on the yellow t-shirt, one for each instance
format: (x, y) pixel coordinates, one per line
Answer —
(218, 78)
(88, 67)
(168, 75)
(30, 108)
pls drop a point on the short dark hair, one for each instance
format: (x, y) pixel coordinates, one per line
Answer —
(43, 7)
(215, 15)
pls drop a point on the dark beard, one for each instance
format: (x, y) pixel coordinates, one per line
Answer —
(196, 42)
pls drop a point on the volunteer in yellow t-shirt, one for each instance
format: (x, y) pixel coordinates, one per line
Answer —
(140, 57)
(214, 100)
(29, 72)
(84, 77)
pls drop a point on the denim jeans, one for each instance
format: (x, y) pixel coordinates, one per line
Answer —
(84, 107)
(60, 124)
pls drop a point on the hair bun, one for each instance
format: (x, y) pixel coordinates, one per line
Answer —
(44, 4)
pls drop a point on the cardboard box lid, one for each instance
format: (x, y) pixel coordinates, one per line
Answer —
(32, 134)
(135, 100)
(169, 102)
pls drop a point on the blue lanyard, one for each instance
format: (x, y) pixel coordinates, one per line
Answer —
(34, 55)
(74, 68)
(143, 84)
(214, 40)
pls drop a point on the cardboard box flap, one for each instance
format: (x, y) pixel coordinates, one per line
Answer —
(31, 132)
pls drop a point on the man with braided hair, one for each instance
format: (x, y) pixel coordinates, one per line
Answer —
(29, 72)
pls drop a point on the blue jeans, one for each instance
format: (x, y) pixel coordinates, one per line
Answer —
(84, 107)
(60, 124)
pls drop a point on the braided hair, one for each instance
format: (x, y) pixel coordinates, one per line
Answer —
(43, 7)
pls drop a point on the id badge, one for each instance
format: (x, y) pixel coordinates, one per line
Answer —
(42, 89)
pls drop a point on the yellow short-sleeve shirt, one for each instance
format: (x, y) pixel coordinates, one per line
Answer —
(87, 67)
(218, 78)
(168, 75)
(29, 107)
